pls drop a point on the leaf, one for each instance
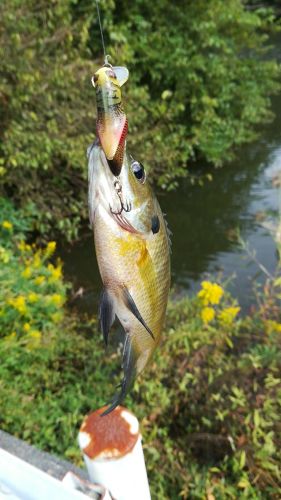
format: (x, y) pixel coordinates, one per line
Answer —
(257, 419)
(242, 461)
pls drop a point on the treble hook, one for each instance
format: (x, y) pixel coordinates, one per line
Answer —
(128, 207)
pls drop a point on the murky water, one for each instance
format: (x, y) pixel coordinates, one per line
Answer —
(204, 221)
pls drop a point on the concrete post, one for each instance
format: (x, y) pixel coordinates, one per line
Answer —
(112, 450)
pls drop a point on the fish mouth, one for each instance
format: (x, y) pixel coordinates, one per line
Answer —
(115, 165)
(123, 222)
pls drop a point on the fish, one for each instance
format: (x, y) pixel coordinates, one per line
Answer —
(132, 246)
(112, 123)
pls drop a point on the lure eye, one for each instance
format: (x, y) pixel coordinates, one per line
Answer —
(138, 171)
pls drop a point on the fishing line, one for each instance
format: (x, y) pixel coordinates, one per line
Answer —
(101, 32)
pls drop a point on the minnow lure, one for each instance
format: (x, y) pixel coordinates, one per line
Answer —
(112, 123)
(131, 237)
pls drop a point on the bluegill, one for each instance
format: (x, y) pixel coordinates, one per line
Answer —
(132, 248)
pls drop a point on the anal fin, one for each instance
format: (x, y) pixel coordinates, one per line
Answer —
(131, 305)
(106, 314)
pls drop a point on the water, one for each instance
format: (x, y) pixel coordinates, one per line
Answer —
(204, 221)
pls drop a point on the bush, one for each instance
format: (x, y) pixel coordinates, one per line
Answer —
(209, 404)
(42, 348)
(32, 291)
(211, 419)
(199, 86)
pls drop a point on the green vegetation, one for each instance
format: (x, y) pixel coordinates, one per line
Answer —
(209, 404)
(32, 292)
(199, 87)
(40, 349)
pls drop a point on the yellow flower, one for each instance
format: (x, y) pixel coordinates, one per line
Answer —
(19, 304)
(35, 334)
(7, 225)
(227, 315)
(26, 273)
(211, 293)
(207, 314)
(22, 246)
(50, 248)
(26, 327)
(37, 259)
(57, 299)
(33, 297)
(39, 280)
(56, 272)
(273, 326)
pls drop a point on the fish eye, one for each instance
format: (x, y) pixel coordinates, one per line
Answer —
(138, 171)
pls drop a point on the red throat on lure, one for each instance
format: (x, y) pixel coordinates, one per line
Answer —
(112, 123)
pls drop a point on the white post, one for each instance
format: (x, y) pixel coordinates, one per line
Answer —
(112, 450)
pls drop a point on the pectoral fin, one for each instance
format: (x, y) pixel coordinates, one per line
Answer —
(130, 303)
(155, 224)
(106, 314)
(129, 367)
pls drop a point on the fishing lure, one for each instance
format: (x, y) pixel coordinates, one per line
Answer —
(112, 123)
